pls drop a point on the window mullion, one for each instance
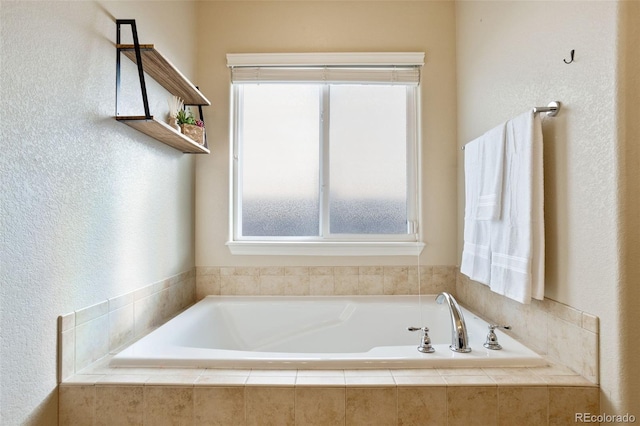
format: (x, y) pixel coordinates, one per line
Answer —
(324, 160)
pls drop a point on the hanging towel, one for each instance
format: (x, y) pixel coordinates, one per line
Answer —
(483, 165)
(491, 165)
(517, 239)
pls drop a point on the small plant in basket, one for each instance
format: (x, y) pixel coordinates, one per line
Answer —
(191, 127)
(185, 117)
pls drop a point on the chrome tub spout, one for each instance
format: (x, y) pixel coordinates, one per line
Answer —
(459, 337)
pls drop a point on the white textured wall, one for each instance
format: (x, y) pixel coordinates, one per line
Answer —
(510, 58)
(91, 209)
(319, 26)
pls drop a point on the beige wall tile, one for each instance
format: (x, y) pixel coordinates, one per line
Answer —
(67, 354)
(218, 406)
(145, 314)
(320, 406)
(119, 405)
(321, 285)
(270, 406)
(321, 270)
(121, 301)
(240, 285)
(565, 334)
(164, 405)
(207, 270)
(345, 284)
(573, 346)
(207, 285)
(272, 270)
(396, 280)
(563, 312)
(173, 300)
(145, 291)
(239, 271)
(272, 285)
(370, 270)
(345, 270)
(418, 406)
(475, 405)
(564, 402)
(92, 341)
(443, 279)
(522, 406)
(371, 284)
(121, 326)
(67, 321)
(371, 406)
(76, 405)
(297, 285)
(92, 312)
(590, 322)
(296, 270)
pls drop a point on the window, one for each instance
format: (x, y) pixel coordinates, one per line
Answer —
(324, 156)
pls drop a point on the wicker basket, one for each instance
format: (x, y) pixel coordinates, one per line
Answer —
(194, 132)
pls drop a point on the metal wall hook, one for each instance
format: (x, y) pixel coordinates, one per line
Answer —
(572, 53)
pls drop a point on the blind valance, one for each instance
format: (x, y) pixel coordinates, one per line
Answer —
(334, 68)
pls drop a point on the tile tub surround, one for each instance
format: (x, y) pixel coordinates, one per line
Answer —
(324, 280)
(494, 396)
(542, 395)
(563, 334)
(91, 333)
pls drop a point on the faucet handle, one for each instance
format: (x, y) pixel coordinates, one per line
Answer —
(492, 338)
(425, 341)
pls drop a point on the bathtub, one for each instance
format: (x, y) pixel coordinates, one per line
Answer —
(334, 332)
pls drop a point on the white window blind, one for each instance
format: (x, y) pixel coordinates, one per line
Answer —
(335, 68)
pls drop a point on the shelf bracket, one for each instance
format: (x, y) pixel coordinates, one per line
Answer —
(136, 43)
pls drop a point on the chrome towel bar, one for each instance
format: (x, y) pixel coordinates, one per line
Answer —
(552, 110)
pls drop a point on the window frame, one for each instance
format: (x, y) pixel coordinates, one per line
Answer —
(326, 244)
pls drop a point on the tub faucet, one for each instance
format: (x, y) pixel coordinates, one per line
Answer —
(459, 337)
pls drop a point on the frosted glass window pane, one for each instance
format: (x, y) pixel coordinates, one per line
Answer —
(280, 160)
(368, 160)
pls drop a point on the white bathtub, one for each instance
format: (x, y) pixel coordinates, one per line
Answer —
(338, 332)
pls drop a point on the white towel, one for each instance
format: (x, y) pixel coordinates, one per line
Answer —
(517, 239)
(483, 165)
(491, 165)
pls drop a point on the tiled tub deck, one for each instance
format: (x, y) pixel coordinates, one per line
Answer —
(101, 395)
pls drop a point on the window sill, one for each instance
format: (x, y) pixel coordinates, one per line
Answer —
(313, 248)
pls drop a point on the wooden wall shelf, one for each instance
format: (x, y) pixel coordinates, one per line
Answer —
(164, 133)
(163, 71)
(168, 76)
